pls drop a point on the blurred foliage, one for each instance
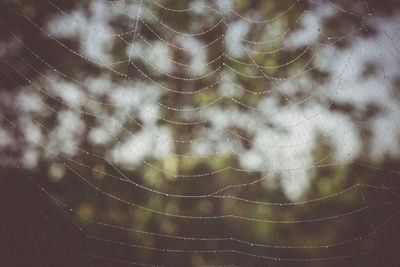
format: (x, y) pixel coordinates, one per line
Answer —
(54, 239)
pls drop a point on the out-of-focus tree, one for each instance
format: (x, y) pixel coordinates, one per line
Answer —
(111, 109)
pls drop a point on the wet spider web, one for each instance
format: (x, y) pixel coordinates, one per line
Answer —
(194, 141)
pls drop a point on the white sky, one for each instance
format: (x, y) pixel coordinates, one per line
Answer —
(272, 150)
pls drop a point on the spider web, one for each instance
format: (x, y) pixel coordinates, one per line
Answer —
(203, 124)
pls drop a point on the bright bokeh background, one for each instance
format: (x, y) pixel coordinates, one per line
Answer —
(192, 133)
